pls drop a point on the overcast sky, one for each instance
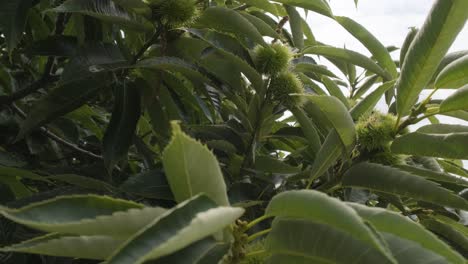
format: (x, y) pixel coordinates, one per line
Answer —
(388, 20)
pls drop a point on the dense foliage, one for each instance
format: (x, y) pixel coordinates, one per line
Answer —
(274, 157)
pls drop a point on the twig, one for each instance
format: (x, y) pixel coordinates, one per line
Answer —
(56, 138)
(279, 28)
(147, 45)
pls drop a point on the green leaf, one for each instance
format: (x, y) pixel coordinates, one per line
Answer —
(434, 175)
(377, 49)
(205, 251)
(452, 146)
(338, 115)
(313, 68)
(370, 101)
(332, 148)
(365, 86)
(449, 58)
(105, 10)
(454, 75)
(456, 101)
(85, 215)
(57, 45)
(301, 241)
(453, 232)
(84, 182)
(269, 164)
(119, 134)
(442, 129)
(318, 6)
(189, 222)
(13, 16)
(88, 247)
(60, 101)
(173, 64)
(151, 184)
(85, 117)
(350, 57)
(406, 44)
(189, 166)
(431, 43)
(409, 252)
(307, 126)
(10, 172)
(404, 228)
(320, 208)
(90, 59)
(262, 4)
(261, 25)
(394, 181)
(295, 22)
(227, 20)
(335, 90)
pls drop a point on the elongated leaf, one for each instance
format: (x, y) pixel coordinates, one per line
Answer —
(404, 228)
(83, 214)
(434, 175)
(456, 101)
(205, 251)
(335, 90)
(348, 56)
(228, 20)
(269, 164)
(84, 182)
(60, 101)
(265, 5)
(449, 231)
(377, 49)
(406, 44)
(338, 115)
(105, 10)
(320, 208)
(442, 26)
(11, 172)
(319, 6)
(310, 132)
(393, 181)
(13, 15)
(88, 247)
(370, 101)
(409, 252)
(187, 223)
(119, 133)
(328, 154)
(452, 146)
(59, 45)
(314, 68)
(90, 59)
(449, 58)
(189, 166)
(150, 184)
(173, 64)
(365, 86)
(295, 22)
(443, 129)
(302, 241)
(261, 25)
(454, 75)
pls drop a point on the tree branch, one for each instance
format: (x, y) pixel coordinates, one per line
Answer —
(58, 139)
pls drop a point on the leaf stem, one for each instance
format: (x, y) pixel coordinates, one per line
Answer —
(253, 253)
(256, 221)
(258, 234)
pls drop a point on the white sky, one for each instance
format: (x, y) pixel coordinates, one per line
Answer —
(388, 20)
